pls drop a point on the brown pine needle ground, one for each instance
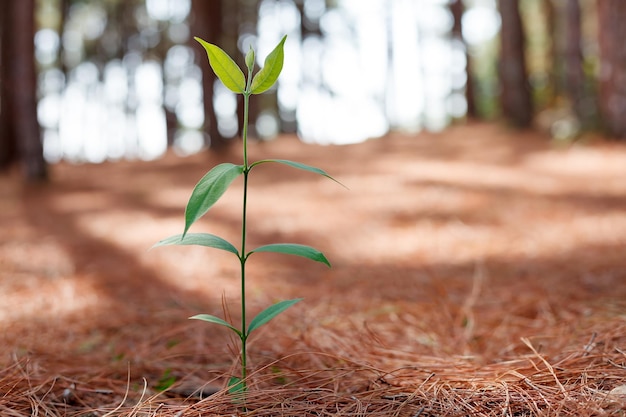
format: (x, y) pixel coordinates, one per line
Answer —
(478, 272)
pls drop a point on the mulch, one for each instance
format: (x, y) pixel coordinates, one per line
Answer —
(475, 272)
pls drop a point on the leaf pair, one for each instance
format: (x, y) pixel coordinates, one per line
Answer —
(213, 185)
(263, 317)
(216, 242)
(232, 76)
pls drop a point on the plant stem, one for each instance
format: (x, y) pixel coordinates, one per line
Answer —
(244, 333)
(244, 257)
(244, 133)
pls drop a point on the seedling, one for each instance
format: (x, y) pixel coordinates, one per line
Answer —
(211, 187)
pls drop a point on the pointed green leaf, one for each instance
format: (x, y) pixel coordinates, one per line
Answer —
(200, 239)
(208, 190)
(268, 75)
(294, 249)
(224, 67)
(236, 387)
(298, 165)
(271, 312)
(215, 320)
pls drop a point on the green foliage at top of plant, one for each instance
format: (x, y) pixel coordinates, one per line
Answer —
(215, 182)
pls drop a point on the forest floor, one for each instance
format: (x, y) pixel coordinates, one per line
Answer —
(479, 271)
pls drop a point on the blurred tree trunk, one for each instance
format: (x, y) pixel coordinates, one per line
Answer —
(20, 135)
(64, 11)
(207, 23)
(567, 78)
(612, 88)
(554, 10)
(8, 151)
(574, 75)
(457, 9)
(515, 97)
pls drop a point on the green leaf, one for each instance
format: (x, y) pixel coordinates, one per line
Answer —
(268, 75)
(215, 320)
(224, 67)
(236, 387)
(200, 239)
(298, 165)
(166, 381)
(294, 249)
(271, 312)
(208, 190)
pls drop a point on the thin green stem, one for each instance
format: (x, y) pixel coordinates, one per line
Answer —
(244, 134)
(244, 333)
(243, 257)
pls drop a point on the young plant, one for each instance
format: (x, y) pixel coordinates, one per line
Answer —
(211, 187)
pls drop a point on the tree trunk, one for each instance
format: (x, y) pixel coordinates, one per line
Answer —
(457, 9)
(515, 97)
(612, 83)
(206, 23)
(8, 151)
(553, 10)
(574, 76)
(21, 135)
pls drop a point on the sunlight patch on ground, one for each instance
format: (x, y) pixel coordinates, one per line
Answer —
(82, 201)
(192, 268)
(170, 198)
(580, 160)
(51, 298)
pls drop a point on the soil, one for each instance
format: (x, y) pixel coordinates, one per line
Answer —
(479, 271)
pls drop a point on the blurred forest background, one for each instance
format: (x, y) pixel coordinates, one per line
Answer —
(96, 80)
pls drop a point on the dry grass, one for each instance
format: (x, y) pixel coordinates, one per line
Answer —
(477, 273)
(373, 381)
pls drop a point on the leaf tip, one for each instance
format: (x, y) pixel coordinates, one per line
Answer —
(200, 41)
